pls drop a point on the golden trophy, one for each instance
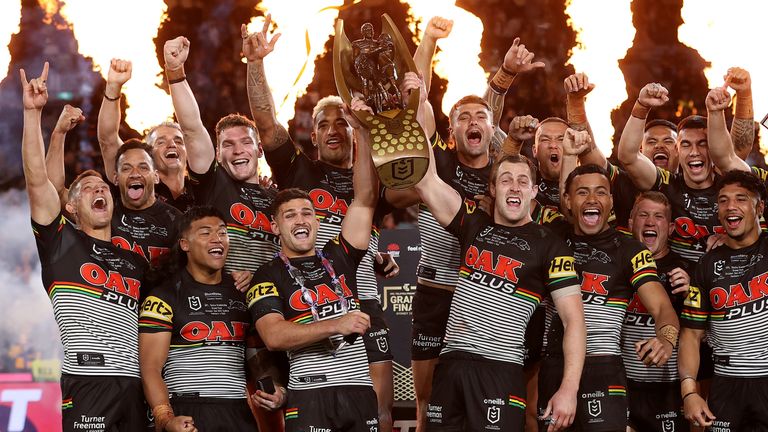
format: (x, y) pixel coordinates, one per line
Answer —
(371, 68)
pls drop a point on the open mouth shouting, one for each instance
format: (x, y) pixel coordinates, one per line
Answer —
(474, 136)
(216, 252)
(514, 201)
(333, 143)
(301, 233)
(661, 158)
(696, 166)
(99, 204)
(135, 190)
(554, 159)
(649, 236)
(591, 217)
(733, 221)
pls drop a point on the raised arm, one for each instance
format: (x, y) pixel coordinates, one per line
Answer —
(43, 199)
(256, 46)
(743, 126)
(574, 144)
(721, 149)
(658, 350)
(108, 126)
(200, 150)
(437, 28)
(521, 128)
(54, 159)
(577, 87)
(641, 170)
(357, 224)
(517, 60)
(443, 201)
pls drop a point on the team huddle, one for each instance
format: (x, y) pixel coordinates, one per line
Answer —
(559, 291)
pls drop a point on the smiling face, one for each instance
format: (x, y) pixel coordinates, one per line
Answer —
(296, 224)
(206, 244)
(659, 145)
(738, 210)
(513, 190)
(590, 203)
(332, 135)
(651, 224)
(170, 152)
(694, 158)
(472, 130)
(239, 152)
(548, 148)
(91, 203)
(136, 178)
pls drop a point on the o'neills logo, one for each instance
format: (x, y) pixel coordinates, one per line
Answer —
(502, 266)
(322, 294)
(112, 280)
(323, 200)
(215, 331)
(249, 218)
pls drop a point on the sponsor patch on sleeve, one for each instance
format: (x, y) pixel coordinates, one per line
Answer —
(693, 299)
(156, 309)
(562, 266)
(260, 291)
(643, 260)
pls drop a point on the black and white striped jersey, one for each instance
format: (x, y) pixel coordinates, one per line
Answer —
(208, 323)
(274, 291)
(505, 274)
(247, 211)
(440, 251)
(332, 193)
(639, 325)
(729, 298)
(95, 289)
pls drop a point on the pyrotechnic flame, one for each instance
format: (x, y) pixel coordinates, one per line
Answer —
(600, 45)
(127, 34)
(730, 35)
(458, 60)
(10, 15)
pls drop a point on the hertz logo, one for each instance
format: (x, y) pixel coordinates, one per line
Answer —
(693, 299)
(562, 266)
(156, 308)
(643, 260)
(259, 291)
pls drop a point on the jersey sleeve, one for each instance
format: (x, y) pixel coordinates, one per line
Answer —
(202, 185)
(287, 162)
(696, 306)
(641, 266)
(662, 179)
(263, 297)
(467, 223)
(49, 238)
(624, 193)
(156, 314)
(560, 265)
(339, 248)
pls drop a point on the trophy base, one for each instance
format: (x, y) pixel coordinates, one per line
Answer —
(399, 148)
(401, 173)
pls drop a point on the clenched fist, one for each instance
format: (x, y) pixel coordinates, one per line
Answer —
(175, 52)
(653, 95)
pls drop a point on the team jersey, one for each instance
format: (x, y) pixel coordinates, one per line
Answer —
(549, 193)
(208, 324)
(182, 202)
(639, 325)
(505, 273)
(247, 210)
(275, 291)
(440, 251)
(728, 297)
(611, 267)
(95, 289)
(624, 193)
(694, 213)
(149, 232)
(332, 192)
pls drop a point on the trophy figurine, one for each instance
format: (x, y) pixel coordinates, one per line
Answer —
(370, 68)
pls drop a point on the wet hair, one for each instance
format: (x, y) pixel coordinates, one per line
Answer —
(151, 135)
(322, 104)
(469, 99)
(235, 120)
(692, 122)
(74, 187)
(286, 195)
(661, 122)
(583, 170)
(131, 144)
(514, 158)
(747, 180)
(655, 196)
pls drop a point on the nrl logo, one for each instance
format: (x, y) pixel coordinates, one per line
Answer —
(382, 344)
(494, 414)
(194, 303)
(595, 408)
(668, 425)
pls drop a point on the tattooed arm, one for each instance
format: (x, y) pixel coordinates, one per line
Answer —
(743, 126)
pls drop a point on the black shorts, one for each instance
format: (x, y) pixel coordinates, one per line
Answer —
(739, 403)
(377, 337)
(96, 403)
(602, 397)
(215, 414)
(332, 409)
(472, 393)
(534, 336)
(656, 406)
(431, 307)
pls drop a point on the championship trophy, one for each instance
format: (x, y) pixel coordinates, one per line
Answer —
(371, 68)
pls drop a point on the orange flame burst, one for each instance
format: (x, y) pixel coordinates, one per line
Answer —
(458, 60)
(730, 35)
(600, 45)
(10, 14)
(130, 37)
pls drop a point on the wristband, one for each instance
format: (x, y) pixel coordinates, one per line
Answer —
(502, 80)
(112, 99)
(177, 80)
(162, 414)
(670, 333)
(688, 394)
(175, 74)
(687, 377)
(640, 111)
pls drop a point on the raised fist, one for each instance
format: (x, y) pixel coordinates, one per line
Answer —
(255, 45)
(653, 95)
(522, 128)
(578, 85)
(738, 79)
(575, 142)
(718, 99)
(438, 28)
(119, 72)
(175, 52)
(518, 59)
(69, 118)
(34, 93)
